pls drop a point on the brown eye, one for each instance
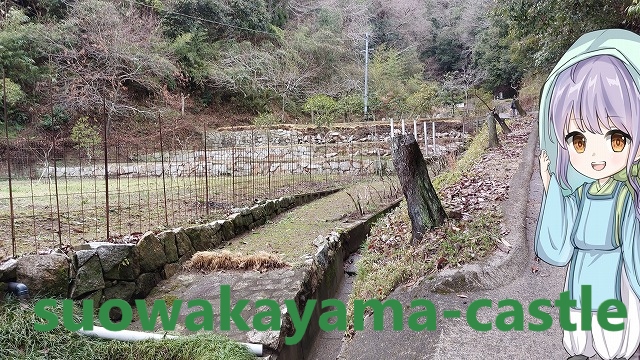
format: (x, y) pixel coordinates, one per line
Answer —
(579, 143)
(618, 141)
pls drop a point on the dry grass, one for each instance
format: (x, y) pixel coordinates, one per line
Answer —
(227, 260)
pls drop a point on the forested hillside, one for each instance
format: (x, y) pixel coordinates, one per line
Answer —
(124, 63)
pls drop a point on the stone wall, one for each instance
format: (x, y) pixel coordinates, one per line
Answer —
(104, 270)
(322, 277)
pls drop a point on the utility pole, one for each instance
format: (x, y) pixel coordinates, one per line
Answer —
(366, 76)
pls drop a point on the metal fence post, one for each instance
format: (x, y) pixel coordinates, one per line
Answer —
(6, 134)
(106, 167)
(206, 172)
(55, 182)
(164, 185)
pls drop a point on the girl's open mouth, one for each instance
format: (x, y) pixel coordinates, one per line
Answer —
(599, 165)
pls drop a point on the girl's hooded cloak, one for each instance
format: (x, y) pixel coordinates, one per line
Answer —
(619, 43)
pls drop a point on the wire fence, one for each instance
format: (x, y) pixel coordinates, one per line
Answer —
(54, 194)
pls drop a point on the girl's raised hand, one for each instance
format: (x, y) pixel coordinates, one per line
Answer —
(544, 170)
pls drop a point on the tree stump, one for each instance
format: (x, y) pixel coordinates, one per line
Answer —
(493, 132)
(424, 206)
(519, 108)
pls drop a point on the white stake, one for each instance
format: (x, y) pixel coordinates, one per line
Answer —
(426, 147)
(433, 135)
(415, 130)
(403, 131)
(391, 121)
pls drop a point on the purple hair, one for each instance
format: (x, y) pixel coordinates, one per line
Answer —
(596, 89)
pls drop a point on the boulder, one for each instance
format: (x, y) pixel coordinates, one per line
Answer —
(203, 237)
(150, 253)
(46, 275)
(270, 339)
(8, 270)
(258, 213)
(117, 262)
(270, 208)
(171, 269)
(183, 243)
(121, 290)
(145, 283)
(88, 278)
(168, 239)
(82, 256)
(226, 230)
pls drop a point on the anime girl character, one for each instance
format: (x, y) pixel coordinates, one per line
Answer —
(589, 125)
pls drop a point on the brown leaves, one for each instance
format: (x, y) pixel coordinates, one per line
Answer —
(473, 193)
(441, 263)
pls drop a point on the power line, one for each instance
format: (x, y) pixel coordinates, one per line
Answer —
(231, 25)
(203, 19)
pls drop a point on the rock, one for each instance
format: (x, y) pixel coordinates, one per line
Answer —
(82, 256)
(216, 225)
(183, 243)
(8, 270)
(247, 220)
(46, 275)
(88, 278)
(150, 253)
(203, 237)
(145, 283)
(237, 220)
(227, 230)
(258, 213)
(270, 339)
(350, 264)
(168, 239)
(171, 269)
(320, 241)
(270, 208)
(118, 262)
(95, 296)
(122, 290)
(322, 256)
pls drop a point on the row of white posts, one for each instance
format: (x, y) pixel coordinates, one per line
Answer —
(415, 133)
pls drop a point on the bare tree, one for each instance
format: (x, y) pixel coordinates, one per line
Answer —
(106, 55)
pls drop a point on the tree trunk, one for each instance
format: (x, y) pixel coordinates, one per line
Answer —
(503, 125)
(521, 111)
(493, 133)
(425, 209)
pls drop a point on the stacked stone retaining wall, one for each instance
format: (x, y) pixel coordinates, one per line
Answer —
(103, 270)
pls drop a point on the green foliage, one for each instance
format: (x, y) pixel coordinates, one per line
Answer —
(14, 93)
(446, 49)
(394, 76)
(424, 99)
(634, 9)
(54, 120)
(240, 19)
(21, 43)
(541, 31)
(323, 109)
(193, 51)
(265, 120)
(451, 92)
(492, 54)
(351, 105)
(85, 135)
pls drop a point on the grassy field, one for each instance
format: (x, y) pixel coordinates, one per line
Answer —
(73, 210)
(19, 340)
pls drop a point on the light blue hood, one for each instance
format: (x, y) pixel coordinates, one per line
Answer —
(622, 44)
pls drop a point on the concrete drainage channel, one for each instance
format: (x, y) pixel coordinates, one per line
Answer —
(331, 284)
